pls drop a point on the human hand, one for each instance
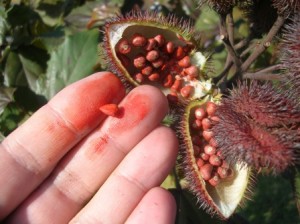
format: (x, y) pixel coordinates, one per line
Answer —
(71, 163)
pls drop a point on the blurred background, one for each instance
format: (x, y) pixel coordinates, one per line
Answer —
(48, 44)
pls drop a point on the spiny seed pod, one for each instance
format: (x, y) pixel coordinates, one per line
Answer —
(220, 6)
(261, 15)
(290, 57)
(218, 194)
(254, 144)
(265, 104)
(286, 7)
(167, 45)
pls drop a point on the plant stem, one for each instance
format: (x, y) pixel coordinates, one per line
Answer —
(264, 44)
(265, 74)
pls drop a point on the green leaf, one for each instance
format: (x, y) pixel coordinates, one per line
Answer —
(72, 61)
(3, 25)
(13, 72)
(6, 96)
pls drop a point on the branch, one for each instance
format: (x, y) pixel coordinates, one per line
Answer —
(265, 74)
(264, 44)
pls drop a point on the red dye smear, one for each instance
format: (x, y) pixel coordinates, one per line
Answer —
(97, 145)
(135, 109)
(84, 102)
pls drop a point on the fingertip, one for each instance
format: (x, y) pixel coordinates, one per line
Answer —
(157, 206)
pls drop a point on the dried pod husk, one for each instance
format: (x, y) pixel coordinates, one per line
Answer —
(290, 57)
(263, 127)
(164, 44)
(219, 187)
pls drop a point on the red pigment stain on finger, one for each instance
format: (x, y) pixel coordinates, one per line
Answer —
(97, 145)
(86, 98)
(135, 109)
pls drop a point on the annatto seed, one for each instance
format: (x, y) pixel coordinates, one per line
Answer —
(196, 150)
(109, 109)
(168, 81)
(179, 53)
(139, 61)
(210, 150)
(184, 62)
(154, 77)
(192, 71)
(160, 40)
(151, 44)
(139, 77)
(138, 40)
(197, 124)
(124, 46)
(124, 60)
(215, 180)
(152, 55)
(186, 91)
(172, 97)
(204, 156)
(158, 63)
(170, 47)
(213, 142)
(200, 162)
(176, 85)
(211, 108)
(206, 123)
(206, 171)
(200, 113)
(223, 172)
(147, 70)
(215, 160)
(207, 135)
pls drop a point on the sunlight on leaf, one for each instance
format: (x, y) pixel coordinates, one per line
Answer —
(6, 96)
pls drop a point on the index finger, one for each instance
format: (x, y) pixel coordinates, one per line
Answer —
(30, 153)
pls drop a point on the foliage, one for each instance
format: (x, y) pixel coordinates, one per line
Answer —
(48, 44)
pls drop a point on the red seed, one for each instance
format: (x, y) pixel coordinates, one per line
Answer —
(225, 164)
(124, 46)
(152, 55)
(158, 63)
(176, 85)
(223, 172)
(154, 77)
(109, 109)
(197, 124)
(210, 150)
(200, 113)
(207, 135)
(160, 40)
(138, 40)
(139, 77)
(215, 118)
(213, 142)
(206, 171)
(179, 53)
(170, 47)
(168, 81)
(204, 156)
(215, 160)
(139, 61)
(200, 162)
(151, 44)
(206, 123)
(186, 91)
(211, 108)
(184, 62)
(214, 181)
(147, 70)
(192, 71)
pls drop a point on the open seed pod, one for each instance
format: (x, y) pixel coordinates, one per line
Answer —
(218, 185)
(148, 48)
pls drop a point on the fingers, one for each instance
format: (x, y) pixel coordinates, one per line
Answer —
(144, 167)
(157, 206)
(30, 153)
(81, 173)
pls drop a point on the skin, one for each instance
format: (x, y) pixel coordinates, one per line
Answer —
(70, 163)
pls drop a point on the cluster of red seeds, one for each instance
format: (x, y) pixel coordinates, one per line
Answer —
(158, 60)
(213, 168)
